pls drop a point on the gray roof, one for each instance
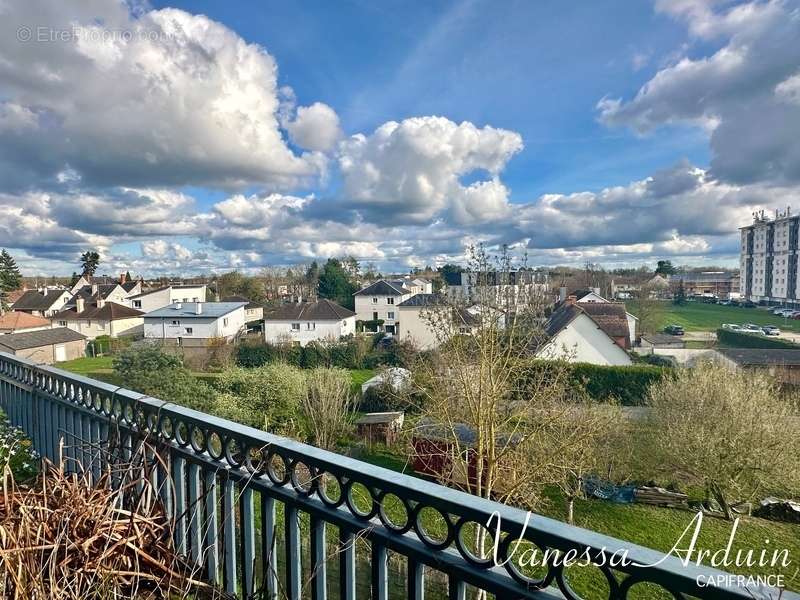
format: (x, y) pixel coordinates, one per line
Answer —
(250, 305)
(188, 310)
(44, 337)
(35, 300)
(321, 310)
(662, 338)
(422, 300)
(382, 417)
(382, 287)
(762, 356)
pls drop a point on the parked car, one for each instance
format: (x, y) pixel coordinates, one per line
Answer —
(732, 326)
(771, 330)
(748, 304)
(752, 328)
(673, 330)
(777, 310)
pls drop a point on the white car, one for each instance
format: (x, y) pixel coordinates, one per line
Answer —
(771, 330)
(732, 326)
(752, 328)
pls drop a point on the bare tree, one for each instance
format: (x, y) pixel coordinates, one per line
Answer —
(579, 441)
(730, 431)
(327, 406)
(480, 398)
(647, 308)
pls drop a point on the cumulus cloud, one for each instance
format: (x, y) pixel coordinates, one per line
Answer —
(315, 127)
(179, 99)
(410, 172)
(744, 93)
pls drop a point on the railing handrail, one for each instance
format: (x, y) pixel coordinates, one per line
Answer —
(545, 531)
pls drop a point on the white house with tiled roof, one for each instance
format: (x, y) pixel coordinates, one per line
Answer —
(99, 317)
(307, 322)
(379, 302)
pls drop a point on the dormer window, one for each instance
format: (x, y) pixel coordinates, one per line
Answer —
(390, 300)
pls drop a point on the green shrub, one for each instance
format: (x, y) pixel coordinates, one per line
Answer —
(737, 339)
(267, 397)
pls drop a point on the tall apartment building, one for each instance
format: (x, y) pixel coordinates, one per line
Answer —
(768, 257)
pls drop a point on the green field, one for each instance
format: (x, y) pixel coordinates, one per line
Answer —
(697, 316)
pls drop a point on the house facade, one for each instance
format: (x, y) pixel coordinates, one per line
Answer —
(130, 287)
(307, 322)
(196, 323)
(44, 302)
(596, 333)
(497, 287)
(100, 318)
(253, 311)
(379, 301)
(150, 300)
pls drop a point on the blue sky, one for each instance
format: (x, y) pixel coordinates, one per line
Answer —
(218, 135)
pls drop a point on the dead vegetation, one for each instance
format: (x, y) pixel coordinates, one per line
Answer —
(68, 536)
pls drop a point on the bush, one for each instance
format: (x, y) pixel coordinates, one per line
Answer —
(16, 452)
(736, 339)
(146, 368)
(352, 353)
(267, 397)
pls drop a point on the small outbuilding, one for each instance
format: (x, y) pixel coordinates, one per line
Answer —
(661, 340)
(381, 427)
(46, 346)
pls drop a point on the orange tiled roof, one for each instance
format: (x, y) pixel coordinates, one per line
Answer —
(21, 320)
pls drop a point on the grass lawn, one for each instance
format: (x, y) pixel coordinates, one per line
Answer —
(359, 376)
(653, 527)
(697, 316)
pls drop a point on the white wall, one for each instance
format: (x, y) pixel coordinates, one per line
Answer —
(416, 329)
(366, 307)
(202, 327)
(277, 332)
(94, 328)
(583, 341)
(165, 297)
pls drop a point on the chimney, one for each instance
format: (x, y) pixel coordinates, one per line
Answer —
(101, 303)
(79, 304)
(198, 308)
(572, 299)
(178, 305)
(122, 277)
(562, 293)
(95, 288)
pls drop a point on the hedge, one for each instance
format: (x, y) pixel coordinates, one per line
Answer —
(627, 385)
(355, 353)
(736, 339)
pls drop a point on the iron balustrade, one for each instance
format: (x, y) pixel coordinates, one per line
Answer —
(217, 469)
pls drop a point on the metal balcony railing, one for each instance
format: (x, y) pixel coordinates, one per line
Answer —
(228, 483)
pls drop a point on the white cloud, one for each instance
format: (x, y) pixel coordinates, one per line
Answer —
(315, 127)
(742, 94)
(410, 172)
(180, 99)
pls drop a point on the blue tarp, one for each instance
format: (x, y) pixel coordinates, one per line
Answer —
(594, 487)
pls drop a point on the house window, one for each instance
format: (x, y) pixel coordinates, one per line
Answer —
(295, 326)
(390, 301)
(374, 300)
(311, 326)
(137, 304)
(374, 316)
(62, 323)
(225, 322)
(188, 331)
(176, 322)
(390, 315)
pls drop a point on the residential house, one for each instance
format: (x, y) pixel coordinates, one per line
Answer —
(151, 300)
(416, 313)
(131, 287)
(44, 302)
(378, 302)
(501, 286)
(253, 311)
(592, 332)
(306, 322)
(196, 323)
(45, 346)
(110, 292)
(592, 296)
(20, 322)
(99, 318)
(418, 285)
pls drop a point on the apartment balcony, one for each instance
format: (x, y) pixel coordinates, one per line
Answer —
(258, 514)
